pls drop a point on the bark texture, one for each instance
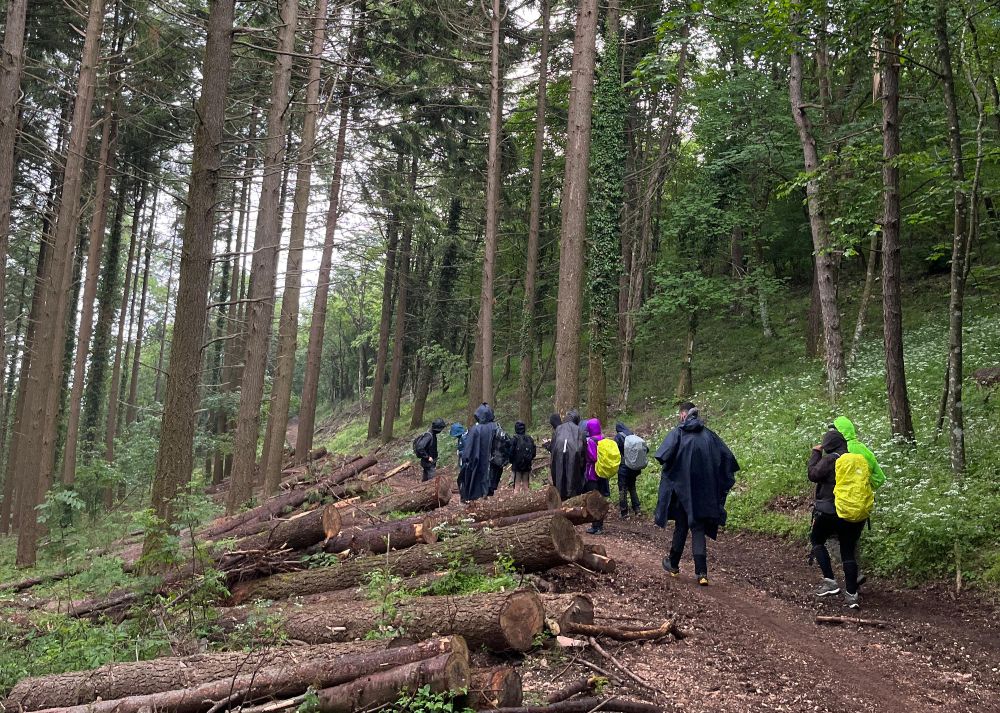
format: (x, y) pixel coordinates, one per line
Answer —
(382, 537)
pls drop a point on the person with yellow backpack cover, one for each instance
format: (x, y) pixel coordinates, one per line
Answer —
(603, 459)
(843, 503)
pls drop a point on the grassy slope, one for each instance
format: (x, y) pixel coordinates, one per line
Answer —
(768, 401)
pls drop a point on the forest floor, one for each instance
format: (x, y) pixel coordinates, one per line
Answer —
(753, 643)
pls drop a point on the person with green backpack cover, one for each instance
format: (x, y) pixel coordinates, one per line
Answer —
(846, 428)
(844, 500)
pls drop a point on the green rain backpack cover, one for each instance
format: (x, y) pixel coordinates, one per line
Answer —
(852, 493)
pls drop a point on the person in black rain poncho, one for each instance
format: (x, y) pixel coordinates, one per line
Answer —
(697, 475)
(476, 473)
(567, 457)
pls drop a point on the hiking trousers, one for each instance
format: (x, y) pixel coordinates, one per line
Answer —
(522, 481)
(825, 526)
(626, 489)
(602, 486)
(429, 467)
(699, 547)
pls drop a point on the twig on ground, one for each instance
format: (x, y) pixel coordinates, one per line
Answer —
(838, 620)
(621, 667)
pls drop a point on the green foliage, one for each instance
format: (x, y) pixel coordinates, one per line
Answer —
(310, 702)
(466, 577)
(386, 591)
(424, 701)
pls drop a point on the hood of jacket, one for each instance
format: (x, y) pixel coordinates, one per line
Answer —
(622, 429)
(437, 426)
(484, 414)
(833, 442)
(519, 428)
(692, 422)
(594, 428)
(555, 420)
(573, 416)
(457, 430)
(846, 428)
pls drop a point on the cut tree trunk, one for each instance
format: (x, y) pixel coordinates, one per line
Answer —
(298, 532)
(430, 495)
(493, 688)
(288, 675)
(562, 610)
(612, 632)
(448, 672)
(382, 537)
(533, 546)
(597, 561)
(121, 680)
(595, 504)
(500, 622)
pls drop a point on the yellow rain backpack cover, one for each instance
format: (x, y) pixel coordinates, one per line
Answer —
(852, 493)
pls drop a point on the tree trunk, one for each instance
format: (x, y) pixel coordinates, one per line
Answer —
(431, 495)
(959, 249)
(685, 381)
(501, 506)
(188, 681)
(263, 268)
(536, 545)
(36, 454)
(399, 336)
(566, 609)
(281, 388)
(133, 384)
(593, 502)
(157, 392)
(494, 687)
(297, 532)
(382, 537)
(385, 323)
(836, 371)
(866, 296)
(174, 459)
(524, 390)
(574, 209)
(494, 174)
(317, 325)
(500, 622)
(11, 66)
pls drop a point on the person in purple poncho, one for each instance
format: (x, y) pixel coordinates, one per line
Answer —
(592, 481)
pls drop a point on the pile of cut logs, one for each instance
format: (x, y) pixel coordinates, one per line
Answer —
(334, 508)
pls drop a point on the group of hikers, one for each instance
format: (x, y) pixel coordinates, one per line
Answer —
(697, 472)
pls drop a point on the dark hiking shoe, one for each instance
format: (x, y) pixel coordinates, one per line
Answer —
(852, 601)
(637, 512)
(862, 578)
(672, 570)
(595, 530)
(827, 588)
(624, 514)
(703, 580)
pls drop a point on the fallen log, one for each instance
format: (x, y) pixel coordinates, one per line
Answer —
(297, 532)
(850, 620)
(536, 545)
(448, 672)
(499, 622)
(429, 495)
(494, 688)
(379, 538)
(596, 561)
(595, 504)
(14, 587)
(290, 500)
(586, 705)
(121, 680)
(286, 677)
(562, 610)
(584, 685)
(576, 515)
(509, 505)
(620, 634)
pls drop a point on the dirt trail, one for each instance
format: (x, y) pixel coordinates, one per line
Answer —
(754, 644)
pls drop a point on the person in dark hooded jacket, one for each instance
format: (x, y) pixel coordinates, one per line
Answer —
(428, 454)
(477, 473)
(697, 476)
(555, 420)
(626, 476)
(826, 523)
(522, 453)
(568, 457)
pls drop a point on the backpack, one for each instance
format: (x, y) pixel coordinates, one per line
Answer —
(522, 451)
(608, 458)
(636, 453)
(852, 493)
(500, 449)
(421, 443)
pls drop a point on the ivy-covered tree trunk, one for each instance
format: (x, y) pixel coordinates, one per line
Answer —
(607, 194)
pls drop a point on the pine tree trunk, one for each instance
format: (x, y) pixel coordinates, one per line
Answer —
(133, 386)
(574, 209)
(866, 296)
(288, 325)
(37, 451)
(157, 391)
(959, 249)
(524, 389)
(11, 65)
(836, 371)
(263, 268)
(317, 325)
(685, 382)
(399, 337)
(174, 459)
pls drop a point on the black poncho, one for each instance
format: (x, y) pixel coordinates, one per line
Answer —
(475, 481)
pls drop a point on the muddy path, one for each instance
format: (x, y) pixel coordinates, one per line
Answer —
(754, 643)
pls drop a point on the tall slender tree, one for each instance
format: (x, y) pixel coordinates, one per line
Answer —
(263, 267)
(175, 456)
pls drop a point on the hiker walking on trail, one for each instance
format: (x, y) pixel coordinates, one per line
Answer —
(522, 453)
(603, 460)
(850, 434)
(844, 500)
(425, 447)
(635, 455)
(477, 470)
(697, 475)
(567, 457)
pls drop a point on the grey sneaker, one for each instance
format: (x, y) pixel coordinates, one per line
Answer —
(853, 601)
(827, 588)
